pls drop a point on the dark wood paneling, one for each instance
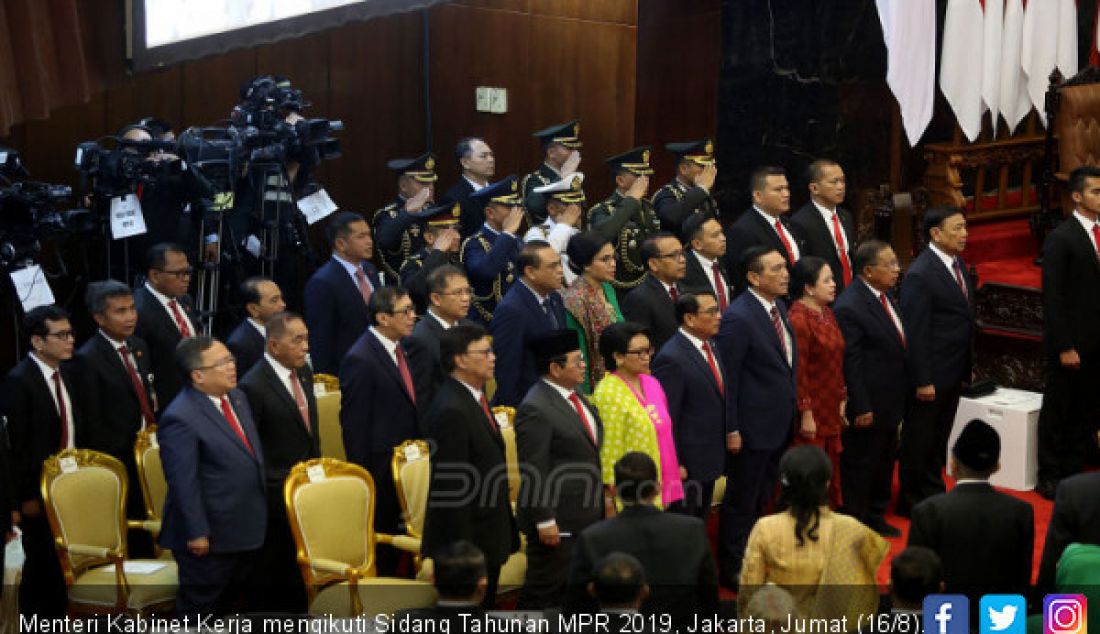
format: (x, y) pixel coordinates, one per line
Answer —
(212, 86)
(615, 11)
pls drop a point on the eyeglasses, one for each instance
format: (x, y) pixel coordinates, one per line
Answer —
(408, 312)
(63, 335)
(220, 363)
(643, 352)
(460, 292)
(675, 255)
(181, 273)
(486, 352)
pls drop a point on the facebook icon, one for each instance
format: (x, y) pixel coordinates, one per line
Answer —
(946, 614)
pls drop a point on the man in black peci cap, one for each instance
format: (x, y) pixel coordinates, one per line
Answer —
(690, 192)
(489, 255)
(561, 148)
(984, 537)
(626, 217)
(396, 229)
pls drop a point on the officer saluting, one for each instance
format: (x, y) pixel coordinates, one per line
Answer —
(439, 228)
(690, 191)
(490, 254)
(626, 217)
(561, 145)
(396, 231)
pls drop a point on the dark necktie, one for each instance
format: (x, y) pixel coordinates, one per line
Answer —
(549, 310)
(181, 323)
(784, 240)
(489, 415)
(61, 409)
(361, 282)
(403, 370)
(845, 265)
(139, 387)
(300, 400)
(672, 292)
(719, 286)
(779, 331)
(227, 411)
(959, 277)
(890, 316)
(576, 401)
(714, 367)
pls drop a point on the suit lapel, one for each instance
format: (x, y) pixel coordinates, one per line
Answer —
(277, 386)
(1085, 242)
(477, 414)
(215, 417)
(43, 390)
(112, 361)
(343, 280)
(567, 409)
(383, 359)
(874, 307)
(764, 320)
(696, 359)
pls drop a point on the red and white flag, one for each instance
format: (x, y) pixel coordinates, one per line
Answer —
(1049, 42)
(1014, 103)
(992, 42)
(962, 63)
(909, 31)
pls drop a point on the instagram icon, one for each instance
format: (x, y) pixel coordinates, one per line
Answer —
(1065, 614)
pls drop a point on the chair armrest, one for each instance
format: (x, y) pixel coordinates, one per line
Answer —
(406, 543)
(150, 526)
(91, 551)
(331, 565)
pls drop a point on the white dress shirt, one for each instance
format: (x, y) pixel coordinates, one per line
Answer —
(828, 215)
(788, 341)
(284, 373)
(387, 343)
(164, 299)
(890, 305)
(442, 322)
(708, 269)
(47, 373)
(795, 253)
(260, 328)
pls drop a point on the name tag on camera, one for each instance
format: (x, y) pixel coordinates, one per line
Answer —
(316, 206)
(126, 217)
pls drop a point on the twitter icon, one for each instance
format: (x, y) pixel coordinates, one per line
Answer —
(1003, 614)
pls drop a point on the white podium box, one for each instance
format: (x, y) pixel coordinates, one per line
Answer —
(1015, 416)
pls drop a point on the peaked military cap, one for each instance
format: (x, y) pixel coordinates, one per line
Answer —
(700, 152)
(567, 190)
(503, 192)
(635, 161)
(568, 134)
(444, 215)
(421, 168)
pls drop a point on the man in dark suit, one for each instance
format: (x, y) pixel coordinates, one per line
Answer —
(822, 226)
(262, 299)
(379, 406)
(489, 254)
(530, 308)
(690, 192)
(757, 347)
(468, 492)
(558, 436)
(478, 167)
(673, 548)
(690, 371)
(561, 149)
(706, 270)
(449, 294)
(937, 307)
(112, 380)
(650, 304)
(280, 393)
(459, 575)
(215, 513)
(42, 419)
(764, 225)
(1071, 313)
(338, 292)
(1075, 519)
(985, 538)
(878, 386)
(165, 315)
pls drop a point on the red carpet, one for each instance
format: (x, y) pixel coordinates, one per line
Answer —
(1004, 252)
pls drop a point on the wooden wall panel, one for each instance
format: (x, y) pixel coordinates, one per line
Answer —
(614, 11)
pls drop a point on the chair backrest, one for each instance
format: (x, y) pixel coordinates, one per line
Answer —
(154, 487)
(506, 420)
(411, 476)
(85, 497)
(330, 505)
(1077, 121)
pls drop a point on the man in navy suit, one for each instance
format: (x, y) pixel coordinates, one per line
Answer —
(449, 295)
(379, 406)
(757, 346)
(765, 225)
(262, 300)
(691, 373)
(937, 306)
(874, 371)
(215, 513)
(531, 308)
(338, 292)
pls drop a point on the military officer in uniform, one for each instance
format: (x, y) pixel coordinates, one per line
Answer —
(396, 230)
(489, 255)
(439, 227)
(564, 206)
(690, 191)
(561, 145)
(626, 217)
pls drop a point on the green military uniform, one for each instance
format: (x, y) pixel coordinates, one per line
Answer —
(626, 222)
(566, 134)
(676, 201)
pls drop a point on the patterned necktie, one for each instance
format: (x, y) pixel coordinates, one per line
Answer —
(779, 331)
(890, 316)
(959, 277)
(61, 409)
(364, 286)
(714, 368)
(489, 415)
(576, 401)
(719, 286)
(300, 399)
(139, 388)
(845, 265)
(227, 411)
(403, 370)
(784, 240)
(181, 323)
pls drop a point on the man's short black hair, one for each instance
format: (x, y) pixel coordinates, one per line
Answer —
(752, 260)
(759, 179)
(455, 341)
(95, 298)
(636, 477)
(189, 354)
(157, 255)
(688, 303)
(693, 226)
(529, 255)
(867, 254)
(276, 327)
(934, 217)
(618, 579)
(439, 278)
(339, 226)
(816, 169)
(916, 573)
(458, 567)
(465, 146)
(250, 289)
(649, 249)
(384, 300)
(34, 322)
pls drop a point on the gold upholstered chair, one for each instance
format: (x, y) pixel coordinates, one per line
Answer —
(85, 498)
(411, 477)
(154, 488)
(506, 420)
(330, 506)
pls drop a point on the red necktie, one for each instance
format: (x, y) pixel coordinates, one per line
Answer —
(890, 315)
(959, 277)
(300, 400)
(185, 331)
(489, 415)
(784, 240)
(139, 387)
(845, 265)
(61, 409)
(779, 331)
(227, 411)
(403, 369)
(1096, 237)
(719, 285)
(364, 286)
(576, 401)
(714, 368)
(672, 292)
